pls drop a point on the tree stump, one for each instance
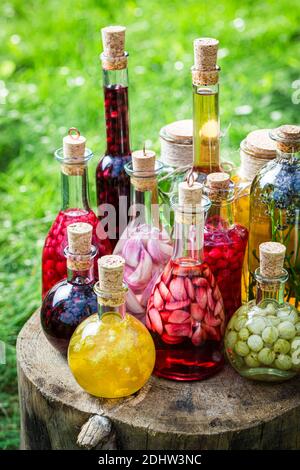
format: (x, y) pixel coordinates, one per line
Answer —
(223, 412)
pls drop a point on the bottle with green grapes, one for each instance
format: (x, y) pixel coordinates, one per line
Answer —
(262, 339)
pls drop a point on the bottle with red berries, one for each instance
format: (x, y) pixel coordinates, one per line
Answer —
(112, 181)
(185, 312)
(71, 300)
(73, 158)
(225, 241)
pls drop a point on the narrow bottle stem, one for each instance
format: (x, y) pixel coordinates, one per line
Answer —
(145, 205)
(270, 288)
(189, 241)
(119, 310)
(75, 191)
(85, 276)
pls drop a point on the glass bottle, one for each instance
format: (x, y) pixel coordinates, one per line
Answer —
(262, 340)
(112, 182)
(111, 354)
(145, 244)
(185, 312)
(275, 208)
(73, 299)
(256, 150)
(225, 241)
(206, 121)
(74, 158)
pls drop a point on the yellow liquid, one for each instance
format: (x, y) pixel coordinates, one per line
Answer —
(111, 357)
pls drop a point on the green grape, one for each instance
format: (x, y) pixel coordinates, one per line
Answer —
(239, 322)
(270, 309)
(295, 344)
(273, 320)
(244, 334)
(288, 314)
(283, 362)
(282, 346)
(255, 343)
(270, 334)
(256, 325)
(252, 360)
(231, 339)
(297, 326)
(296, 358)
(241, 348)
(286, 330)
(266, 356)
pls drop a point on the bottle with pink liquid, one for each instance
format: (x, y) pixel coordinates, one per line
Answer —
(112, 181)
(185, 312)
(73, 158)
(225, 241)
(145, 244)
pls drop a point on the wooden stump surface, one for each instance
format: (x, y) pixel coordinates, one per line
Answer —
(223, 412)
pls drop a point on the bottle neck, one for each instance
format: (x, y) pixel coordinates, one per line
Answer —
(206, 128)
(144, 203)
(288, 157)
(81, 277)
(270, 288)
(189, 236)
(115, 86)
(111, 302)
(75, 190)
(221, 214)
(80, 268)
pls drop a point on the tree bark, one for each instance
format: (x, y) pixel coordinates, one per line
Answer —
(223, 412)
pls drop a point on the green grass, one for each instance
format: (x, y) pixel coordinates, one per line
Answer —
(45, 46)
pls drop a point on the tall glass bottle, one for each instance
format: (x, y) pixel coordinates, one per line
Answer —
(111, 353)
(275, 208)
(145, 244)
(225, 240)
(74, 158)
(112, 182)
(206, 122)
(262, 340)
(185, 312)
(72, 300)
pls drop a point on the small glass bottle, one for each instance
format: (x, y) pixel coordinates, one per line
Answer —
(262, 340)
(225, 241)
(206, 121)
(73, 299)
(275, 208)
(111, 354)
(145, 244)
(256, 150)
(112, 182)
(73, 158)
(185, 312)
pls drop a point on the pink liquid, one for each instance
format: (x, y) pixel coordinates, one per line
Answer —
(54, 266)
(185, 315)
(112, 182)
(224, 251)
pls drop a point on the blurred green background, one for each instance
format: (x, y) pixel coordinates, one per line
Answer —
(50, 79)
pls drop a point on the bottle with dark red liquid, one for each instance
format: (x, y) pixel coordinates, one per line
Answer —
(225, 241)
(74, 158)
(185, 312)
(112, 181)
(72, 300)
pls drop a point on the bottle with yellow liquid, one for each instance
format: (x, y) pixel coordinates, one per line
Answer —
(111, 354)
(256, 150)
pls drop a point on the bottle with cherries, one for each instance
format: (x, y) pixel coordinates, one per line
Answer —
(73, 299)
(145, 244)
(225, 241)
(185, 312)
(112, 182)
(74, 158)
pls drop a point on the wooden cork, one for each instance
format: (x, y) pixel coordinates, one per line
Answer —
(287, 138)
(114, 56)
(143, 165)
(189, 211)
(189, 194)
(218, 180)
(111, 273)
(79, 245)
(74, 152)
(205, 53)
(271, 256)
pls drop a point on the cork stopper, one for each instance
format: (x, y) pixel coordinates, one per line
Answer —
(111, 272)
(143, 165)
(73, 152)
(287, 138)
(189, 194)
(205, 53)
(79, 245)
(218, 180)
(271, 256)
(114, 56)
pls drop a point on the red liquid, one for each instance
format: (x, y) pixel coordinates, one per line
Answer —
(111, 178)
(224, 251)
(54, 265)
(185, 315)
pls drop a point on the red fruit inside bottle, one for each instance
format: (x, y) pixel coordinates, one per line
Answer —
(224, 252)
(185, 315)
